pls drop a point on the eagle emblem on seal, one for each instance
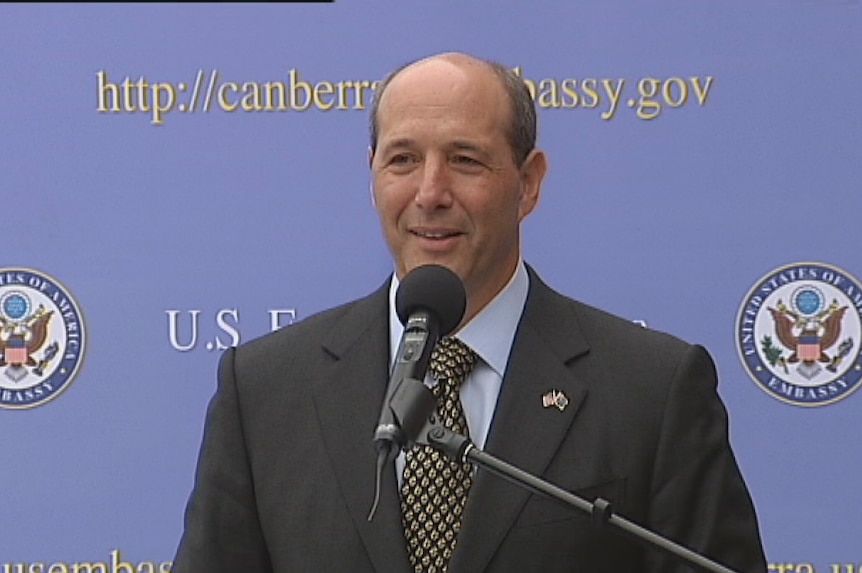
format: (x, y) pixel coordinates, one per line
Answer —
(20, 340)
(808, 329)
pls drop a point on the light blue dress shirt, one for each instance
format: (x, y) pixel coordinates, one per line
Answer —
(490, 334)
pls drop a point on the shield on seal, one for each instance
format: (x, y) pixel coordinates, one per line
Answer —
(16, 350)
(808, 346)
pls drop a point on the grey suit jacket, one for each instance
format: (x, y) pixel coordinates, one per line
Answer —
(285, 478)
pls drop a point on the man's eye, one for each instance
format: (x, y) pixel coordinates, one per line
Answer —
(401, 159)
(465, 160)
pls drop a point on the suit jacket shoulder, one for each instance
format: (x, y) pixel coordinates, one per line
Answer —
(325, 334)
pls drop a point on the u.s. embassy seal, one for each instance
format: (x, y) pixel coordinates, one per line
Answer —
(42, 338)
(798, 334)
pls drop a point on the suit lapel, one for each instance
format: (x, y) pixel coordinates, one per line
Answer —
(348, 396)
(524, 433)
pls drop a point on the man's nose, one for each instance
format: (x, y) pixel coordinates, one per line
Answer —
(435, 186)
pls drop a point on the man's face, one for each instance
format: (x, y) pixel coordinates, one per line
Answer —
(445, 182)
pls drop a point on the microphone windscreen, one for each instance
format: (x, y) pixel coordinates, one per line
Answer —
(435, 289)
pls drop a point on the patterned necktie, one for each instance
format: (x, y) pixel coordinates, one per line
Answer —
(435, 488)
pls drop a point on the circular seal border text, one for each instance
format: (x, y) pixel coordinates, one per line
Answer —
(36, 375)
(783, 344)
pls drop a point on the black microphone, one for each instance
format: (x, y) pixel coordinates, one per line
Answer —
(430, 303)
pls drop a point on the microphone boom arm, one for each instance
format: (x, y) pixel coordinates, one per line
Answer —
(460, 448)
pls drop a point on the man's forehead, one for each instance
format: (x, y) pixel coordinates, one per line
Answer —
(441, 74)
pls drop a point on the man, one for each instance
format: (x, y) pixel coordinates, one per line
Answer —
(286, 474)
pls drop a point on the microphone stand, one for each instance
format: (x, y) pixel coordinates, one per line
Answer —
(410, 404)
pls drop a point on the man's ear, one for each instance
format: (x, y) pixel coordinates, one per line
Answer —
(371, 177)
(532, 173)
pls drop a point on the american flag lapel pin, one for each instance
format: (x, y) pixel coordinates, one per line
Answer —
(555, 398)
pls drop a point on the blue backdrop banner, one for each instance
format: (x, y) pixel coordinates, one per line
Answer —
(178, 178)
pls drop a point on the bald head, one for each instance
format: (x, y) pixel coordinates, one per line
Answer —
(521, 125)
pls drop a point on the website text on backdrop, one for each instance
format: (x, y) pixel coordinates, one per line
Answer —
(286, 471)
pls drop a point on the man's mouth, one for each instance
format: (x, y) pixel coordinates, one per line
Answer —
(434, 234)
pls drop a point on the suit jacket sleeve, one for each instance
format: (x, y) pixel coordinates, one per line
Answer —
(222, 530)
(698, 494)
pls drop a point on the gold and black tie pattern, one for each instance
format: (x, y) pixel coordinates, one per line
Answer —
(434, 488)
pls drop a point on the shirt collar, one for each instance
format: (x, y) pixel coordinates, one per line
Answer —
(490, 333)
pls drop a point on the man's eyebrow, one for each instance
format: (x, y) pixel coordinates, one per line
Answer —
(397, 143)
(466, 145)
(410, 143)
